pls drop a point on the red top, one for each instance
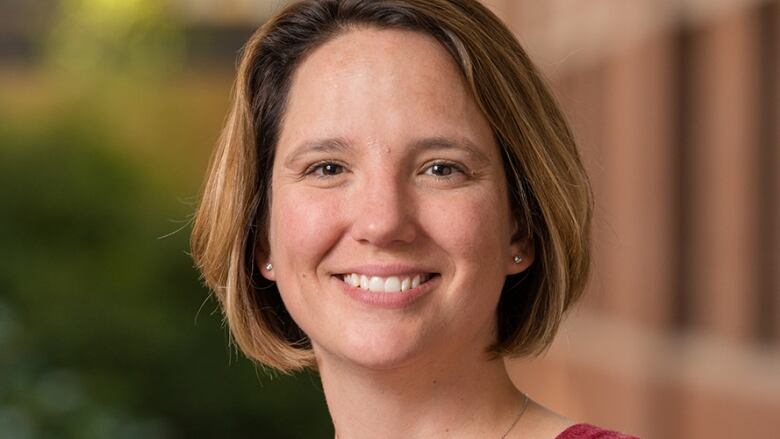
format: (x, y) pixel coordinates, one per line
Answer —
(587, 431)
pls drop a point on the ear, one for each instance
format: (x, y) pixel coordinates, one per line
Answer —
(522, 246)
(262, 259)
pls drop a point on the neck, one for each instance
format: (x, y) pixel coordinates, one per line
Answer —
(467, 395)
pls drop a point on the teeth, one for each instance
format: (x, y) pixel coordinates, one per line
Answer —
(352, 279)
(392, 284)
(376, 284)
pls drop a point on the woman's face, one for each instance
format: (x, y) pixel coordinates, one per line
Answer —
(390, 231)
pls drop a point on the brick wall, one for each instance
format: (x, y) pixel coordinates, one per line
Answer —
(676, 107)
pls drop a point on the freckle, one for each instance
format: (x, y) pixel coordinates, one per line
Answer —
(435, 382)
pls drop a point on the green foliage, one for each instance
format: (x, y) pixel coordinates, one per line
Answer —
(105, 330)
(99, 40)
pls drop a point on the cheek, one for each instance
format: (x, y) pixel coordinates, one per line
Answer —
(472, 227)
(473, 232)
(303, 227)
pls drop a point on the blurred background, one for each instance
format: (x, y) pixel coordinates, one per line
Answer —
(108, 113)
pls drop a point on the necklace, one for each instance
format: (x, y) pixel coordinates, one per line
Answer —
(517, 419)
(519, 415)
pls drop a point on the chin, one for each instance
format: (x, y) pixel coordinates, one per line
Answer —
(380, 353)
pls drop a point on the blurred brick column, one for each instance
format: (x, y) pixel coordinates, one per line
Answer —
(635, 194)
(722, 180)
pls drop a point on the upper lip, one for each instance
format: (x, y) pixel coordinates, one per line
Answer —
(386, 270)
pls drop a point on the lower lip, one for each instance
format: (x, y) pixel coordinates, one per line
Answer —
(388, 300)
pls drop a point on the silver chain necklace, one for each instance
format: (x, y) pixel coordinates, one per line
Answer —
(517, 419)
(519, 415)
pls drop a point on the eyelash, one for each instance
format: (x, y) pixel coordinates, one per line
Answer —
(455, 169)
(317, 169)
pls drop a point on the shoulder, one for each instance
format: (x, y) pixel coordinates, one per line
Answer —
(543, 422)
(587, 431)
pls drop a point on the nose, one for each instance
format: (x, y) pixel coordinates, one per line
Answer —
(383, 213)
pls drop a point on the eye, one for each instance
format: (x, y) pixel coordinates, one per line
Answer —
(443, 170)
(325, 169)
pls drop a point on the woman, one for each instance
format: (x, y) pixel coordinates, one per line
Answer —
(397, 201)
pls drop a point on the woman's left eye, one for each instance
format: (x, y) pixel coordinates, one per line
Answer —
(443, 170)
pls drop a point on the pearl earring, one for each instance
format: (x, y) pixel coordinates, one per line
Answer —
(517, 259)
(269, 266)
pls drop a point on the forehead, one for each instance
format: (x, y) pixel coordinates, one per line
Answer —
(385, 51)
(378, 85)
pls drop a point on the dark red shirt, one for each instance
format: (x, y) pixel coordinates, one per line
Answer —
(587, 431)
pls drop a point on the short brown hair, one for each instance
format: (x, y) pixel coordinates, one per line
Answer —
(549, 190)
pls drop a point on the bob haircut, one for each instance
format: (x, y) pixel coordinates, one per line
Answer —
(549, 192)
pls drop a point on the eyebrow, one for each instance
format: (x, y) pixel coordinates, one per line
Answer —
(340, 144)
(445, 143)
(335, 144)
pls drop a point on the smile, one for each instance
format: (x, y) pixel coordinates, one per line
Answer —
(390, 284)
